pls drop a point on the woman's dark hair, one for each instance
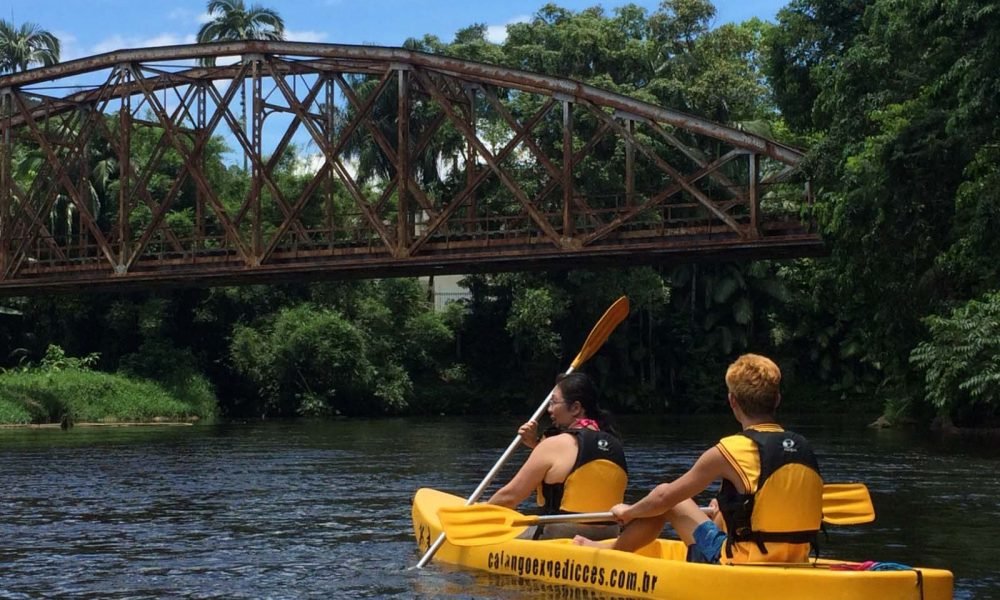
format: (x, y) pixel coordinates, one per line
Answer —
(579, 387)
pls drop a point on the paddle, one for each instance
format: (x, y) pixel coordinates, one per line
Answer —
(485, 524)
(615, 314)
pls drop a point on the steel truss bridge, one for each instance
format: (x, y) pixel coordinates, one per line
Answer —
(106, 178)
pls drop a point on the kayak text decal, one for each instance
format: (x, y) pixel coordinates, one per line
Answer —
(570, 570)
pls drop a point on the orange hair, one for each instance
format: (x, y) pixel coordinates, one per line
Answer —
(753, 381)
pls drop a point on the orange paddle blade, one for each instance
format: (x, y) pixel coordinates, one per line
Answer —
(615, 314)
(485, 524)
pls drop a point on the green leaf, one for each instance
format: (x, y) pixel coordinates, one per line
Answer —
(743, 311)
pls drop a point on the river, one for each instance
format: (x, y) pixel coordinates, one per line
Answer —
(321, 509)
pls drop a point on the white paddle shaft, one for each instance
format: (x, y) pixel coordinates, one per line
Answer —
(489, 476)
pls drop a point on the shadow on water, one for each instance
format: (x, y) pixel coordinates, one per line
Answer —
(320, 510)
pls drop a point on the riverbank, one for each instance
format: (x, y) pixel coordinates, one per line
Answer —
(82, 397)
(158, 423)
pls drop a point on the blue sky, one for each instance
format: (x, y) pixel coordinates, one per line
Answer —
(87, 27)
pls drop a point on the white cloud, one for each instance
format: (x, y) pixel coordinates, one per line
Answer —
(114, 42)
(225, 61)
(498, 33)
(183, 14)
(120, 42)
(309, 164)
(305, 36)
(169, 39)
(69, 47)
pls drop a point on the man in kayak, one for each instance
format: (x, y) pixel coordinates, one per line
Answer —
(579, 466)
(770, 502)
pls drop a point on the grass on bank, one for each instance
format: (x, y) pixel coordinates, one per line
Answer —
(87, 396)
(56, 391)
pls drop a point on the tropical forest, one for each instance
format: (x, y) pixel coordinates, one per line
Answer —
(896, 105)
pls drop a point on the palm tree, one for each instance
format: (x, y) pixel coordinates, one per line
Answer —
(21, 47)
(233, 21)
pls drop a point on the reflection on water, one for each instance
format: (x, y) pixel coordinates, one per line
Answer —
(322, 509)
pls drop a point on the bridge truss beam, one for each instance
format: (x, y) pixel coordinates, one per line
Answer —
(477, 168)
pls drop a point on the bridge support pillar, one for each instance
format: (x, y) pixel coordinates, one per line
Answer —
(754, 196)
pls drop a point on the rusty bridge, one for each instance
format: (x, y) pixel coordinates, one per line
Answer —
(107, 178)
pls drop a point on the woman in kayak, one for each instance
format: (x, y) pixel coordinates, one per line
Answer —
(770, 502)
(578, 466)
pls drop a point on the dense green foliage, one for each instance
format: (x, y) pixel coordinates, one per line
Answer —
(65, 389)
(903, 99)
(961, 361)
(351, 355)
(897, 101)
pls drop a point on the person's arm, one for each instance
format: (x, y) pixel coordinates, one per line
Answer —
(709, 467)
(529, 476)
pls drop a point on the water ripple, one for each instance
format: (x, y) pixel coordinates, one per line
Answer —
(322, 510)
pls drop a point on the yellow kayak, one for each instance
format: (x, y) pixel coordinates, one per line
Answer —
(660, 570)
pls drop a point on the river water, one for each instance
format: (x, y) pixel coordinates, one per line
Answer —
(321, 510)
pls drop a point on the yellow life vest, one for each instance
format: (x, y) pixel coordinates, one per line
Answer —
(778, 517)
(598, 478)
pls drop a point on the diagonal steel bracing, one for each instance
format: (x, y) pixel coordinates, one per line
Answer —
(363, 161)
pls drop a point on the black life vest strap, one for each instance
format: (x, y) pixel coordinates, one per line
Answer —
(761, 537)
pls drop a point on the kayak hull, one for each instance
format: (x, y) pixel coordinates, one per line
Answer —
(660, 571)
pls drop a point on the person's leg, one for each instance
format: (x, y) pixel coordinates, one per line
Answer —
(591, 531)
(704, 540)
(636, 534)
(684, 518)
(640, 532)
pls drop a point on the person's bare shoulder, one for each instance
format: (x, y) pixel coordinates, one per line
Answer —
(713, 458)
(716, 464)
(556, 446)
(558, 441)
(709, 465)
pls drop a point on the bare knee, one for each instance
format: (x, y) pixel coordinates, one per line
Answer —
(684, 518)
